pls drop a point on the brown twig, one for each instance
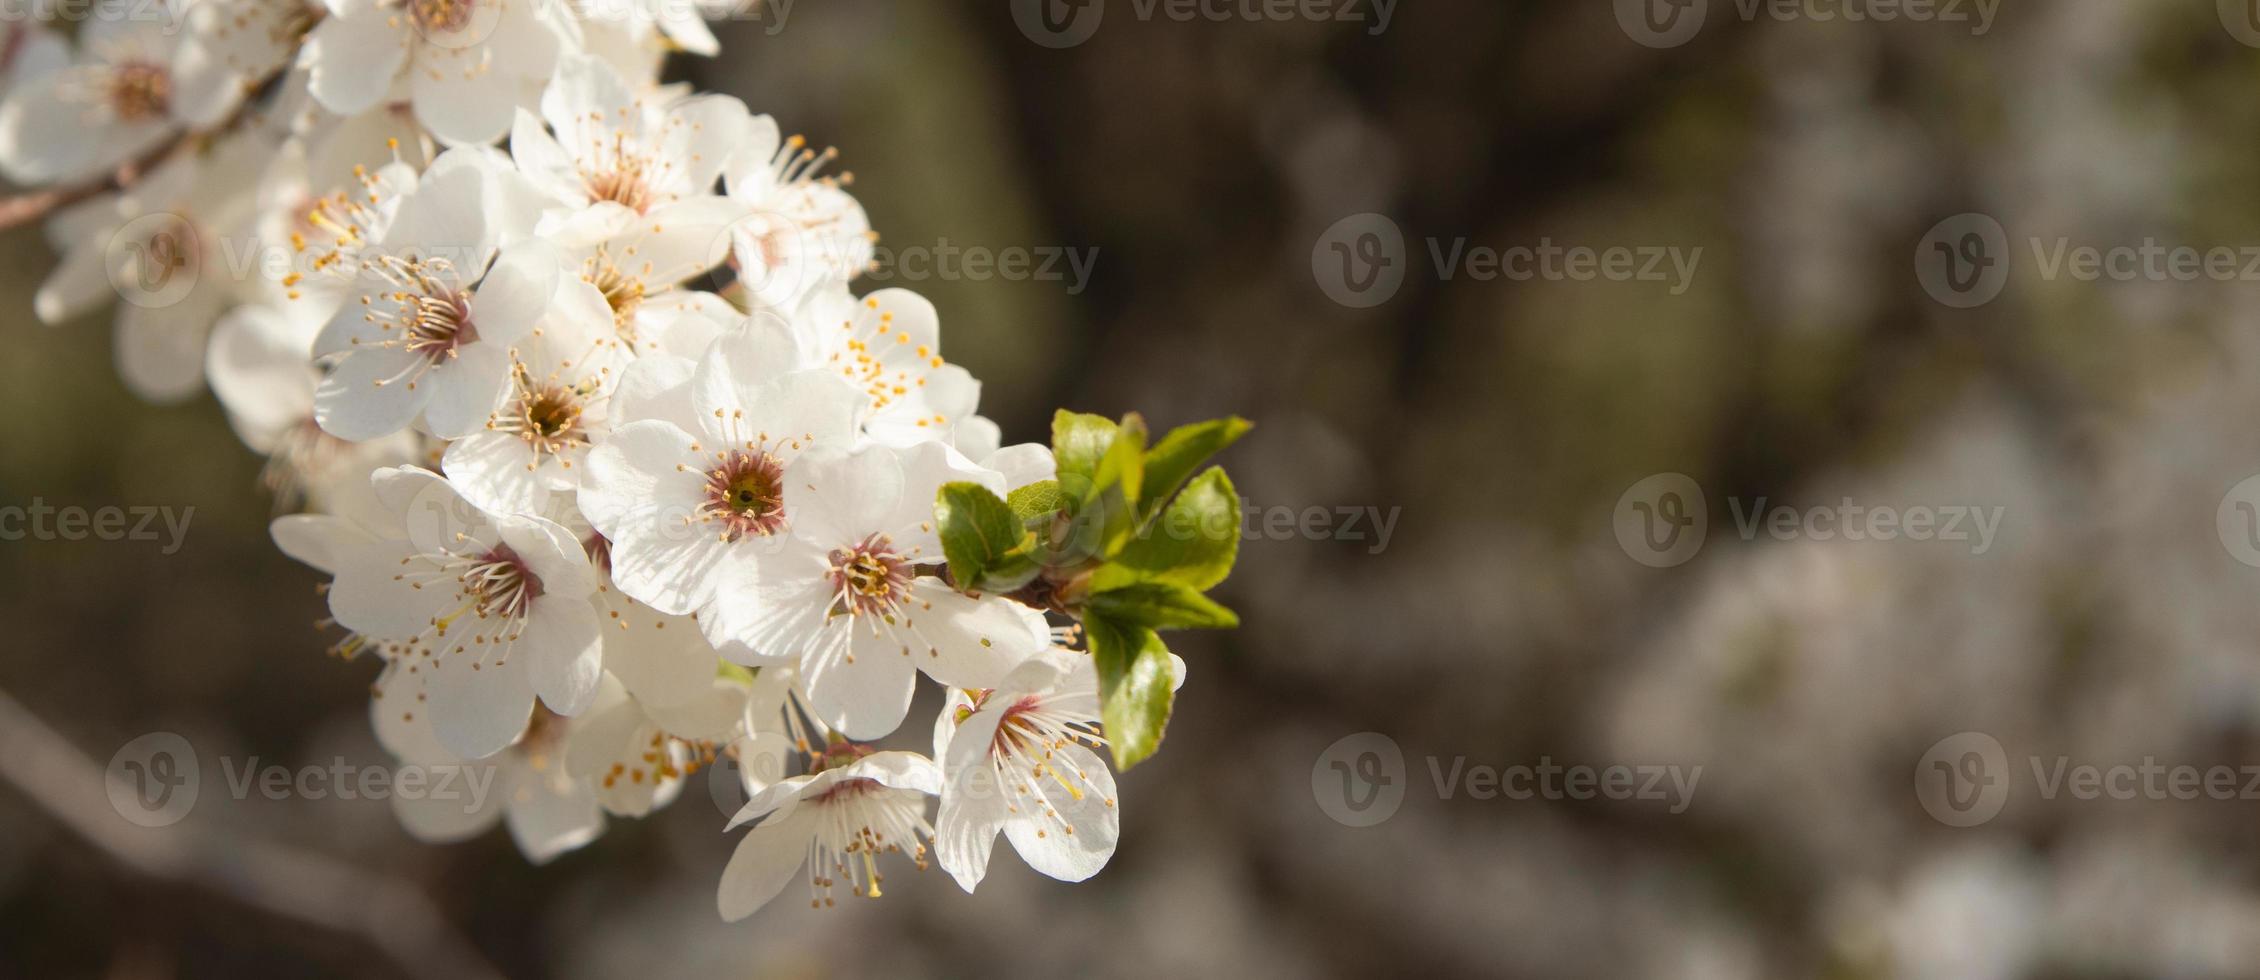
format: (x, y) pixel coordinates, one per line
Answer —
(33, 205)
(304, 886)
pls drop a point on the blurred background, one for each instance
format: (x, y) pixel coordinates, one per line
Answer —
(1814, 354)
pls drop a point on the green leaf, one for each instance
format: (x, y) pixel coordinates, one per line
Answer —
(988, 548)
(1193, 542)
(1137, 684)
(1162, 606)
(1036, 500)
(1115, 486)
(1078, 442)
(1181, 452)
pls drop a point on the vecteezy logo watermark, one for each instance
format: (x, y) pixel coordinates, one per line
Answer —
(1360, 262)
(1963, 261)
(154, 260)
(1661, 521)
(773, 15)
(1286, 523)
(1067, 23)
(1359, 780)
(1964, 780)
(1661, 23)
(152, 780)
(980, 263)
(1671, 23)
(752, 762)
(2237, 521)
(1058, 23)
(43, 522)
(2242, 19)
(85, 11)
(1553, 262)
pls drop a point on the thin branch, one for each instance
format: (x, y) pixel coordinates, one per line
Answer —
(389, 914)
(29, 207)
(33, 205)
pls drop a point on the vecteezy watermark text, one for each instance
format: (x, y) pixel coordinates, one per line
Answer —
(1965, 261)
(1663, 520)
(949, 262)
(45, 522)
(1671, 23)
(155, 780)
(1964, 780)
(1315, 523)
(1067, 23)
(1360, 780)
(1361, 261)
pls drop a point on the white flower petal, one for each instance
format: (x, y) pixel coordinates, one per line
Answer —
(259, 368)
(566, 647)
(465, 388)
(972, 642)
(478, 707)
(761, 866)
(448, 808)
(517, 291)
(837, 498)
(861, 687)
(353, 57)
(1046, 844)
(496, 471)
(318, 540)
(373, 598)
(367, 396)
(551, 814)
(641, 489)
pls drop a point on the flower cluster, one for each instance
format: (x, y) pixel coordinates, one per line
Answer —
(614, 473)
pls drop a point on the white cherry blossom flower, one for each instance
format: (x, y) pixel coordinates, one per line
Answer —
(663, 660)
(1017, 758)
(649, 23)
(263, 375)
(638, 149)
(230, 46)
(492, 610)
(551, 411)
(681, 496)
(639, 262)
(804, 229)
(117, 100)
(161, 249)
(325, 200)
(841, 593)
(466, 65)
(1021, 463)
(637, 758)
(888, 344)
(529, 786)
(838, 821)
(429, 332)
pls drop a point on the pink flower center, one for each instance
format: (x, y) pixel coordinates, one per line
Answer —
(140, 91)
(444, 16)
(746, 492)
(868, 578)
(499, 583)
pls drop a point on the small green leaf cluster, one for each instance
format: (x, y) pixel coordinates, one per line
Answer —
(1127, 540)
